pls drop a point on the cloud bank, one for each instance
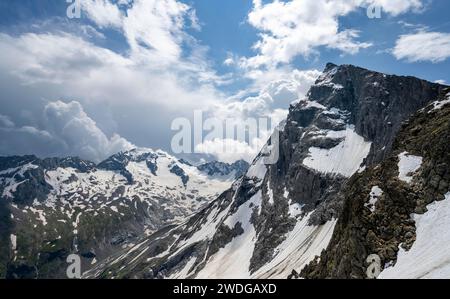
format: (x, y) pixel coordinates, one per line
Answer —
(67, 129)
(300, 27)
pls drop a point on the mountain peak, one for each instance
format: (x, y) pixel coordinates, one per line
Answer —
(329, 66)
(216, 168)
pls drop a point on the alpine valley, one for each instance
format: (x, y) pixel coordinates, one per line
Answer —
(363, 169)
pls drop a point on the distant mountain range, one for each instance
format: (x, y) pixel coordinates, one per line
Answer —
(55, 206)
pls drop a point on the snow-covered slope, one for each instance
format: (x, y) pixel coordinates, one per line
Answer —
(301, 246)
(180, 188)
(345, 158)
(429, 257)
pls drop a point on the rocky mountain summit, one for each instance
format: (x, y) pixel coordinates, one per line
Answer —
(278, 218)
(216, 168)
(57, 206)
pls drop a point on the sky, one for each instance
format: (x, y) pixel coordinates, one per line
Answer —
(119, 76)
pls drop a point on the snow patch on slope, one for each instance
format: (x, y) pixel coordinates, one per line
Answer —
(301, 246)
(344, 159)
(257, 170)
(13, 239)
(307, 104)
(429, 256)
(326, 79)
(233, 261)
(12, 183)
(186, 270)
(407, 166)
(440, 104)
(375, 194)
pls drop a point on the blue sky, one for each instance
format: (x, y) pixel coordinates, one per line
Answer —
(225, 29)
(128, 68)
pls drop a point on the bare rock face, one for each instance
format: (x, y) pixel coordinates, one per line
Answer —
(277, 218)
(378, 103)
(371, 104)
(216, 168)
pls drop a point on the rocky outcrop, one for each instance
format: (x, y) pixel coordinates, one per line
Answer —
(120, 161)
(375, 104)
(386, 226)
(177, 170)
(215, 168)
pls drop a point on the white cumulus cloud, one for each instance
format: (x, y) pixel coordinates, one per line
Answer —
(299, 27)
(267, 109)
(67, 130)
(423, 46)
(397, 7)
(69, 123)
(103, 12)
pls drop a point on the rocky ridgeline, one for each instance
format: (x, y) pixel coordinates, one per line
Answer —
(216, 168)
